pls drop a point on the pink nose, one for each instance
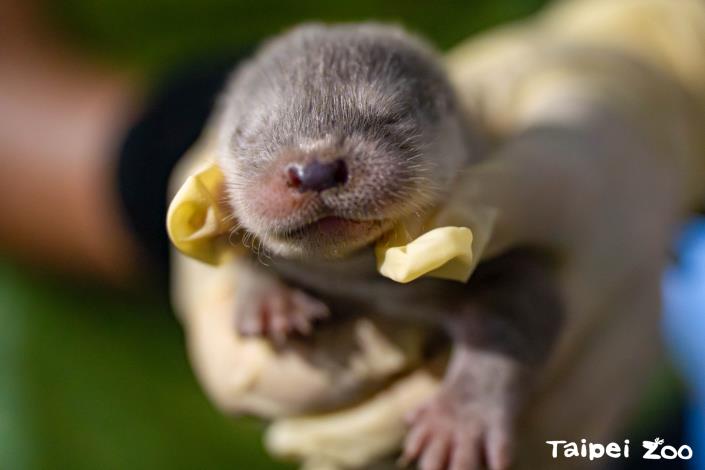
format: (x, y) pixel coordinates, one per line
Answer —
(317, 176)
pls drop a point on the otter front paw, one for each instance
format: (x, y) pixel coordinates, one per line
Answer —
(448, 433)
(276, 312)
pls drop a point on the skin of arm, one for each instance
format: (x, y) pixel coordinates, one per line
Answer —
(60, 128)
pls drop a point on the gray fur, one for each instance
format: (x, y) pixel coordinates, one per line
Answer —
(369, 92)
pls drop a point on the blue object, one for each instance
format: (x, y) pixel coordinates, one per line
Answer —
(684, 327)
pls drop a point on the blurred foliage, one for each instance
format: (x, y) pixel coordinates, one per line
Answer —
(93, 378)
(158, 33)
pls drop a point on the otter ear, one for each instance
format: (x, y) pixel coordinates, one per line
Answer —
(197, 221)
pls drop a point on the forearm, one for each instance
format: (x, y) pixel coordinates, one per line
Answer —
(60, 129)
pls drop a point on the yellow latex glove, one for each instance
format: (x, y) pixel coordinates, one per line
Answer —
(199, 227)
(197, 220)
(444, 252)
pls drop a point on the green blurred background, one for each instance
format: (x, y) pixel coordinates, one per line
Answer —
(93, 378)
(154, 34)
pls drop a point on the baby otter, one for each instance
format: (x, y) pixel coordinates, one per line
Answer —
(329, 136)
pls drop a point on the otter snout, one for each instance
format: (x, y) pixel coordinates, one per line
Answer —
(317, 176)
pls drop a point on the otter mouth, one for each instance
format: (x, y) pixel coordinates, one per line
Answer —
(330, 236)
(330, 226)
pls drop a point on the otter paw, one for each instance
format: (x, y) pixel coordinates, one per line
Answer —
(446, 434)
(277, 312)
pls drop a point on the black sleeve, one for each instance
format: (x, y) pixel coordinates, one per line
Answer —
(172, 121)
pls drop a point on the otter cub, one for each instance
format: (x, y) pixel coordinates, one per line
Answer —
(330, 135)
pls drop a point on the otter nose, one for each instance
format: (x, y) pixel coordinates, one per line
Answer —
(317, 176)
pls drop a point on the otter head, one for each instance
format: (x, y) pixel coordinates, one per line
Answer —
(329, 135)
